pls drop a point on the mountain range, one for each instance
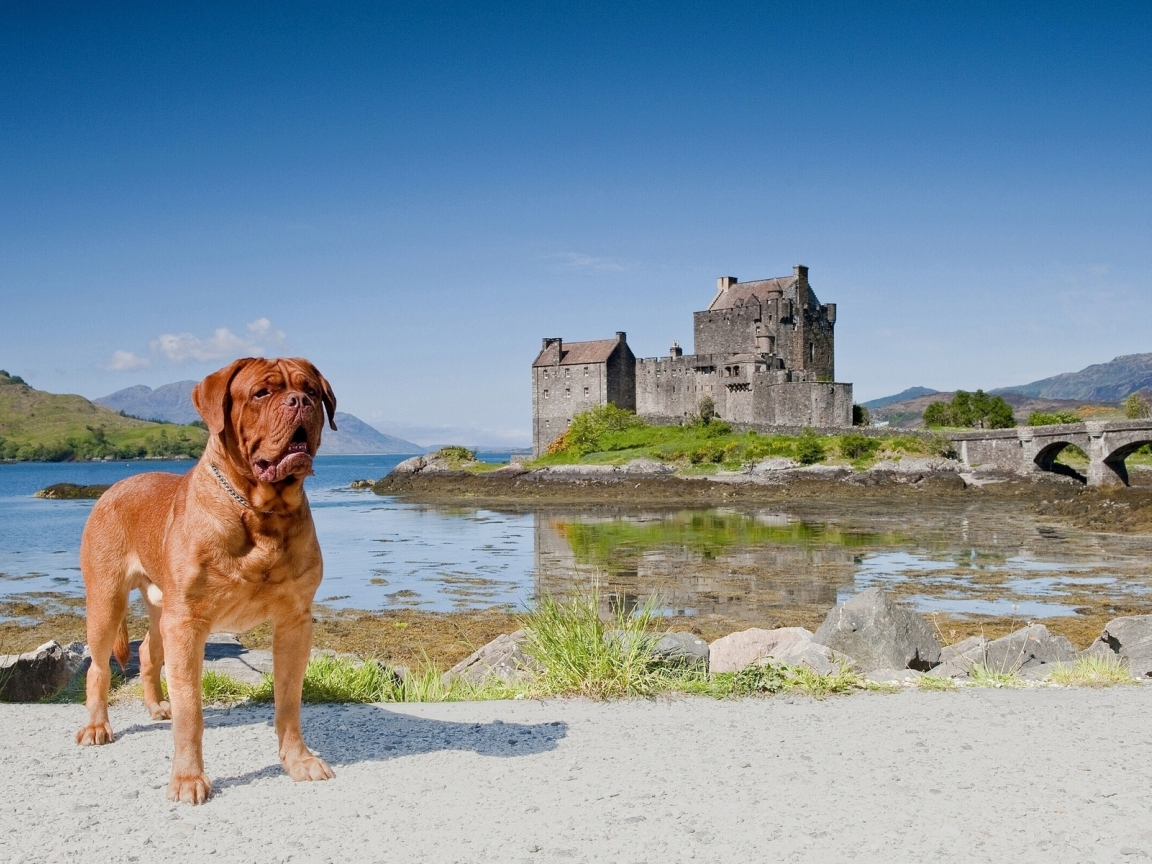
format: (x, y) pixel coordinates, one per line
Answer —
(173, 402)
(1101, 387)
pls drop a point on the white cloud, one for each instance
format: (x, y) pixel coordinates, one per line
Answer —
(576, 261)
(124, 360)
(259, 339)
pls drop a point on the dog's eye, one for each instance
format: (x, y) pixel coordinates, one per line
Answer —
(261, 393)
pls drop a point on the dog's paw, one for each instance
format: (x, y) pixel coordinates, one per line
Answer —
(308, 768)
(160, 710)
(189, 788)
(95, 733)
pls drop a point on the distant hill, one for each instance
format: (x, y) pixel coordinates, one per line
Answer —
(36, 425)
(909, 413)
(910, 393)
(1102, 382)
(356, 438)
(172, 402)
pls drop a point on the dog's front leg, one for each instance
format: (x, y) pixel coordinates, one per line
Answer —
(184, 663)
(291, 645)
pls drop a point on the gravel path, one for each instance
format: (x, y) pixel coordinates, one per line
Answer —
(980, 775)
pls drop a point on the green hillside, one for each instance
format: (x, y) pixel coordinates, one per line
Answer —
(39, 426)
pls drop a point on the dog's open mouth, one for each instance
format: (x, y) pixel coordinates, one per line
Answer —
(294, 460)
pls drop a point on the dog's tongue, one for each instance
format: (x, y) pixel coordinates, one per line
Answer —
(293, 463)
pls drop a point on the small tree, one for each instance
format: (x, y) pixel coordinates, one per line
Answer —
(861, 416)
(810, 449)
(1136, 407)
(938, 414)
(999, 415)
(705, 411)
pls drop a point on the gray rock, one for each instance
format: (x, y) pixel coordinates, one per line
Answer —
(1129, 638)
(414, 465)
(681, 649)
(879, 634)
(804, 652)
(38, 674)
(958, 660)
(645, 466)
(1026, 648)
(575, 471)
(917, 465)
(502, 658)
(774, 463)
(739, 650)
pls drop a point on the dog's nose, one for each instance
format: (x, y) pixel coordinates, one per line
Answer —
(298, 400)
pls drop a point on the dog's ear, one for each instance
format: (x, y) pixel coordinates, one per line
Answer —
(211, 396)
(326, 394)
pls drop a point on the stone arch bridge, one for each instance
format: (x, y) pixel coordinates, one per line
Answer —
(1026, 449)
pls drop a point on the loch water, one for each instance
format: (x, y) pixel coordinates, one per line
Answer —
(381, 553)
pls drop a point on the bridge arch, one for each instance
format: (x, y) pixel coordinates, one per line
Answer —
(1046, 457)
(1114, 459)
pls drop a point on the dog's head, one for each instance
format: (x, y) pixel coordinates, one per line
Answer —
(268, 413)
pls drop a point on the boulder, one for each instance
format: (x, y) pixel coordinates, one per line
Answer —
(38, 674)
(413, 465)
(737, 651)
(645, 466)
(879, 634)
(1027, 648)
(774, 463)
(957, 661)
(224, 654)
(502, 658)
(681, 649)
(804, 652)
(1130, 638)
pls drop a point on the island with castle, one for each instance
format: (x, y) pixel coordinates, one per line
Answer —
(765, 356)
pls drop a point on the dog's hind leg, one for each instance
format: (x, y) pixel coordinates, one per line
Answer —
(107, 613)
(152, 657)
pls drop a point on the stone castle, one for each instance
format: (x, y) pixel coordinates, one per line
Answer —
(764, 355)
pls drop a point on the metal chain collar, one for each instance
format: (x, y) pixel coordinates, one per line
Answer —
(236, 496)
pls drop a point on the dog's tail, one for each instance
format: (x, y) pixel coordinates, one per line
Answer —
(120, 646)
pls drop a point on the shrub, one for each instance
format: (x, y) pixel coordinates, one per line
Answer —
(856, 446)
(1053, 418)
(810, 449)
(1136, 407)
(705, 411)
(861, 416)
(456, 453)
(588, 427)
(783, 678)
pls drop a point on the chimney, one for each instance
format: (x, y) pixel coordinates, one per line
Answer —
(801, 274)
(621, 336)
(724, 283)
(676, 350)
(549, 341)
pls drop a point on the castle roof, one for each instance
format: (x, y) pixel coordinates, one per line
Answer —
(577, 353)
(740, 293)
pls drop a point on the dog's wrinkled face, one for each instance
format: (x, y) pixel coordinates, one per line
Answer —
(274, 410)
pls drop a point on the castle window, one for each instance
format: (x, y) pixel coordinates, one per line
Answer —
(567, 373)
(811, 350)
(545, 394)
(585, 392)
(585, 371)
(567, 392)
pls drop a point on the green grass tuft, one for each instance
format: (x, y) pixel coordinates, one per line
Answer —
(785, 678)
(983, 676)
(1091, 671)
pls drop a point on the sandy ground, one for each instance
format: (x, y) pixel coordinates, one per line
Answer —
(979, 775)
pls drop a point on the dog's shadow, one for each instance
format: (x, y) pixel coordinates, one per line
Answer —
(347, 734)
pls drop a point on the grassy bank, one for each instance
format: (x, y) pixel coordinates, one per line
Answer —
(608, 435)
(47, 427)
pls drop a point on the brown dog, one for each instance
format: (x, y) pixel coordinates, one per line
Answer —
(227, 546)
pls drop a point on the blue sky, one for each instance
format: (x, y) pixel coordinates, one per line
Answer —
(412, 195)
